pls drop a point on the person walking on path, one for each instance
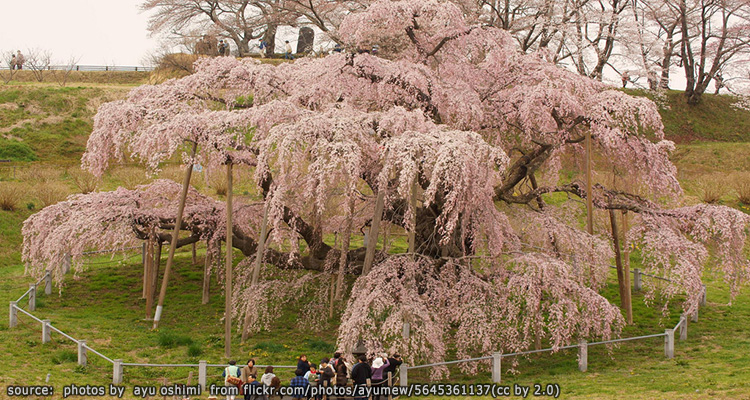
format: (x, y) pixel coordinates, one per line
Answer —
(288, 51)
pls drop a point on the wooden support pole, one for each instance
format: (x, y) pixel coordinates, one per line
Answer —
(683, 327)
(413, 224)
(373, 236)
(144, 260)
(206, 275)
(175, 236)
(345, 240)
(195, 255)
(624, 291)
(13, 319)
(589, 187)
(626, 267)
(259, 253)
(228, 266)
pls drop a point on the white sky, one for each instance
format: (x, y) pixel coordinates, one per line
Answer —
(100, 32)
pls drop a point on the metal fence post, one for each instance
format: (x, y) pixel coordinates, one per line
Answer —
(117, 372)
(683, 327)
(695, 315)
(583, 355)
(32, 297)
(82, 352)
(637, 280)
(669, 343)
(497, 360)
(45, 331)
(48, 283)
(13, 319)
(403, 375)
(202, 368)
(703, 297)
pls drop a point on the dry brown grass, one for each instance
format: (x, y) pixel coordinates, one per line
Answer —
(50, 193)
(712, 188)
(83, 180)
(11, 194)
(741, 184)
(130, 177)
(39, 174)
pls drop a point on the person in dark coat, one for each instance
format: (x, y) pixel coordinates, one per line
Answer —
(361, 372)
(326, 374)
(303, 364)
(393, 362)
(341, 371)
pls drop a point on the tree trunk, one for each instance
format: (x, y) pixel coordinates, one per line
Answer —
(374, 231)
(624, 291)
(345, 249)
(626, 265)
(270, 38)
(228, 285)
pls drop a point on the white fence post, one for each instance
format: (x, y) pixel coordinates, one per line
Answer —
(683, 327)
(637, 280)
(695, 315)
(48, 283)
(703, 297)
(403, 375)
(45, 331)
(32, 297)
(202, 368)
(66, 264)
(406, 331)
(13, 319)
(583, 355)
(117, 372)
(669, 343)
(82, 352)
(497, 363)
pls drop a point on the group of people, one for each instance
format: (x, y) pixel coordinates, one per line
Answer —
(208, 46)
(336, 371)
(16, 62)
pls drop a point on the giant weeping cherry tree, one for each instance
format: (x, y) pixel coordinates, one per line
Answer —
(450, 134)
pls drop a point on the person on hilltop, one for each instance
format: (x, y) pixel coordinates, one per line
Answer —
(20, 59)
(231, 377)
(13, 62)
(262, 46)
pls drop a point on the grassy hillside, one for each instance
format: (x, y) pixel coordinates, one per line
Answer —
(49, 125)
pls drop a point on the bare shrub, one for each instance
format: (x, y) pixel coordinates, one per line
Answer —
(50, 193)
(11, 194)
(83, 180)
(130, 177)
(712, 188)
(38, 61)
(63, 74)
(741, 185)
(40, 174)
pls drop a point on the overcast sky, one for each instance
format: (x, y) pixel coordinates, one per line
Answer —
(100, 32)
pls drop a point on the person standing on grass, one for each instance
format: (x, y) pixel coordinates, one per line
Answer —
(300, 385)
(13, 62)
(326, 373)
(248, 370)
(341, 372)
(361, 372)
(393, 363)
(303, 364)
(231, 376)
